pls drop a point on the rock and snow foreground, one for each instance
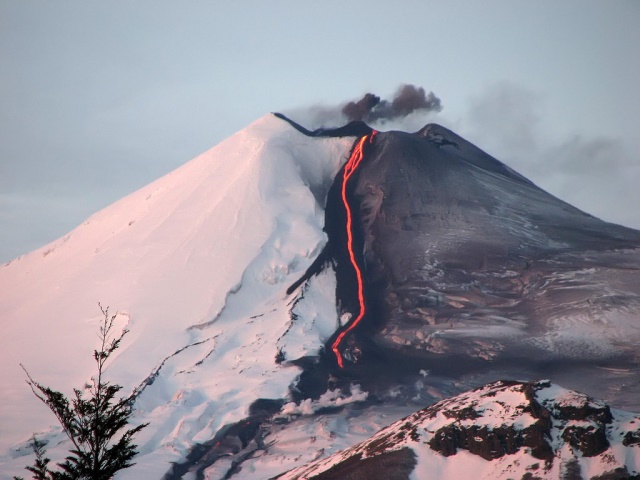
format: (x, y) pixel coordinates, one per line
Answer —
(230, 371)
(506, 429)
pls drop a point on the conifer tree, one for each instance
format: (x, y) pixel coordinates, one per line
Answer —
(40, 467)
(94, 420)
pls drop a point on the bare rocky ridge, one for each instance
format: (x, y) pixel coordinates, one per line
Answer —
(519, 430)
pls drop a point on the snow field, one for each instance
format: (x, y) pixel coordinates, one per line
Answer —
(197, 263)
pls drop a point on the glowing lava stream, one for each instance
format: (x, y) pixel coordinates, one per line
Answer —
(349, 169)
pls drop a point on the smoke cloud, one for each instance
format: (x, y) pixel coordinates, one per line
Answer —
(362, 108)
(407, 100)
(597, 173)
(407, 110)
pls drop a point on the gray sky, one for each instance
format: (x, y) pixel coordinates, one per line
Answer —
(99, 98)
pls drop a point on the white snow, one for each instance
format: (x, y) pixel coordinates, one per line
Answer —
(311, 437)
(196, 264)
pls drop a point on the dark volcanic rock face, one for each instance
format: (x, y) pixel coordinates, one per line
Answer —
(397, 465)
(472, 273)
(470, 268)
(456, 241)
(580, 422)
(518, 429)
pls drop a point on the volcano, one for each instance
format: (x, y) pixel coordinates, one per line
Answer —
(291, 292)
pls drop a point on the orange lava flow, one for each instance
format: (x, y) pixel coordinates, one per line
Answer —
(352, 164)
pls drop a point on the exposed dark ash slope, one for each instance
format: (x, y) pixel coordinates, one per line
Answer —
(471, 268)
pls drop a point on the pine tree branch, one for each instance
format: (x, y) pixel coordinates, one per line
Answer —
(95, 424)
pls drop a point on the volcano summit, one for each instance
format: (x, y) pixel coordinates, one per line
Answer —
(290, 292)
(469, 267)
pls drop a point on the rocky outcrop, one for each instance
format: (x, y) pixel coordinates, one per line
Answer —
(505, 429)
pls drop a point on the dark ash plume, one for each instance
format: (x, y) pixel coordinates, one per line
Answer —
(362, 108)
(371, 109)
(407, 99)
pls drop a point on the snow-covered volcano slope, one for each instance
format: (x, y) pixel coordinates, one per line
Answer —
(196, 264)
(465, 263)
(502, 430)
